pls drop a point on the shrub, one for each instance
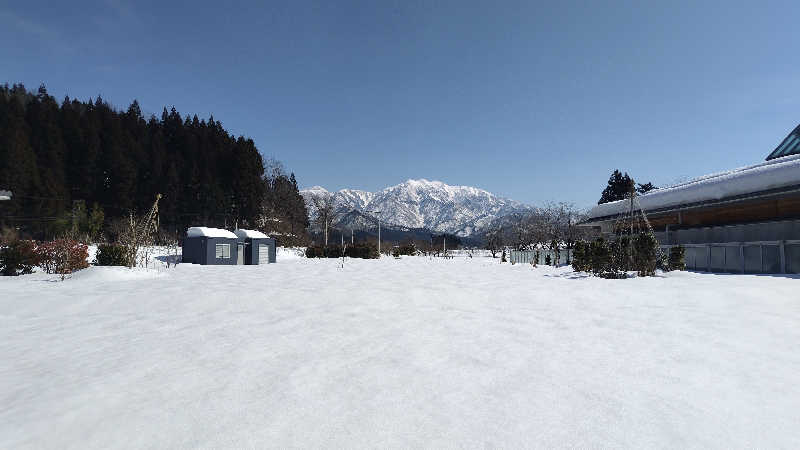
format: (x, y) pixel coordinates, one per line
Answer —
(677, 260)
(581, 260)
(623, 254)
(503, 256)
(645, 254)
(614, 259)
(18, 258)
(112, 255)
(601, 261)
(333, 251)
(361, 250)
(8, 235)
(366, 250)
(314, 252)
(63, 256)
(406, 249)
(547, 260)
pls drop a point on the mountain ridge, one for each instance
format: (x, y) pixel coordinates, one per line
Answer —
(424, 204)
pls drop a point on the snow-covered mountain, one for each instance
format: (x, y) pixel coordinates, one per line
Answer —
(433, 205)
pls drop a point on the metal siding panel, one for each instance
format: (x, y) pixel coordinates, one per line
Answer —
(186, 251)
(752, 259)
(770, 257)
(691, 257)
(733, 259)
(792, 252)
(717, 263)
(701, 258)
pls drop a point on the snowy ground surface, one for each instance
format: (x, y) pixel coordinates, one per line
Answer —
(397, 353)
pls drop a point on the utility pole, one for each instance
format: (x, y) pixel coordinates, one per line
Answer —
(352, 242)
(379, 230)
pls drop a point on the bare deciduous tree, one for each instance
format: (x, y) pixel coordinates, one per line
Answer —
(494, 240)
(551, 226)
(326, 213)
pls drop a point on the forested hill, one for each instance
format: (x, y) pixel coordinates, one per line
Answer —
(53, 156)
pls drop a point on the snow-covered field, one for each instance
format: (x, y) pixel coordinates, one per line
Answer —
(413, 352)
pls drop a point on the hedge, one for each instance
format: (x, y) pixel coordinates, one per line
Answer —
(112, 255)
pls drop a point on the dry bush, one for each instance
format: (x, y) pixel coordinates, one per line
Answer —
(62, 256)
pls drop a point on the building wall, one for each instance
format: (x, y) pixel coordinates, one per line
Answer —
(744, 257)
(251, 250)
(202, 250)
(211, 258)
(193, 250)
(766, 247)
(751, 232)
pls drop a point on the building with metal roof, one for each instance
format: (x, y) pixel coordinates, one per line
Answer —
(745, 220)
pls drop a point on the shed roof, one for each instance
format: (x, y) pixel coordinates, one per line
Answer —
(252, 234)
(773, 174)
(209, 232)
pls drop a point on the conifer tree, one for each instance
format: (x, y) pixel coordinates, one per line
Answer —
(52, 155)
(618, 188)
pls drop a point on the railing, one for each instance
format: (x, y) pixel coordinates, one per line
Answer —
(529, 256)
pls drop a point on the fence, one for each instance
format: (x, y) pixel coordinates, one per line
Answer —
(730, 257)
(528, 256)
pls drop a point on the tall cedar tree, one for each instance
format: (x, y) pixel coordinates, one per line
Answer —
(54, 156)
(619, 187)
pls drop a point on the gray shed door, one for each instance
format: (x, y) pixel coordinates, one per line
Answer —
(240, 254)
(263, 254)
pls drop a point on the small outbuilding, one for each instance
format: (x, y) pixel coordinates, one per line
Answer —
(212, 246)
(258, 247)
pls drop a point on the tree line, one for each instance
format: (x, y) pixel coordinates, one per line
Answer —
(86, 161)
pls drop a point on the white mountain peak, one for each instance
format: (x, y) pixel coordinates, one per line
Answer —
(422, 203)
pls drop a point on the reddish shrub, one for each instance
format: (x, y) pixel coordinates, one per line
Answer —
(63, 256)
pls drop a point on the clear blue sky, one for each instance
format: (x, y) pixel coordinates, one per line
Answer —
(535, 102)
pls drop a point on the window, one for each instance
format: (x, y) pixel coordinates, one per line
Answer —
(223, 251)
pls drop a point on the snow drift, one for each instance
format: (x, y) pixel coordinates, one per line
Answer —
(408, 353)
(209, 232)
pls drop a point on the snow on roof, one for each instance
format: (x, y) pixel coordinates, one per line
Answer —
(773, 174)
(209, 232)
(252, 234)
